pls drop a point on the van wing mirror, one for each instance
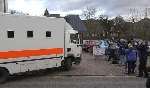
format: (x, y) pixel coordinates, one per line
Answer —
(81, 45)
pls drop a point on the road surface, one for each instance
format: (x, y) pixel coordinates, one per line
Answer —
(93, 72)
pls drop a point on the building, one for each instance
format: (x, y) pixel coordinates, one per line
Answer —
(3, 6)
(76, 22)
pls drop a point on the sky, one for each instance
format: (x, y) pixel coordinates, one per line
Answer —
(64, 7)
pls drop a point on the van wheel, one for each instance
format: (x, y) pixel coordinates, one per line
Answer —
(78, 61)
(3, 75)
(67, 64)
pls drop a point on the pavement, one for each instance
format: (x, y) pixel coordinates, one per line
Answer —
(93, 72)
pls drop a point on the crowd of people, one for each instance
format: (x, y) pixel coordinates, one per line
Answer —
(128, 53)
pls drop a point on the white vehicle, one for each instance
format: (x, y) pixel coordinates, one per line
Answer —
(29, 43)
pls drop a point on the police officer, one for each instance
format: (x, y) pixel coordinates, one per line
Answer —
(143, 54)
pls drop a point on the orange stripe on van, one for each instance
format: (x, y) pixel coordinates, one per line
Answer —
(28, 53)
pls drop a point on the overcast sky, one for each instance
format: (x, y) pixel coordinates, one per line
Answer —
(109, 7)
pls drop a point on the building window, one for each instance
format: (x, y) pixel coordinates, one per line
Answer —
(30, 34)
(10, 34)
(48, 33)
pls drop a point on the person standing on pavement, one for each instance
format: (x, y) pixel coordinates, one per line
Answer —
(131, 55)
(143, 54)
(122, 53)
(111, 52)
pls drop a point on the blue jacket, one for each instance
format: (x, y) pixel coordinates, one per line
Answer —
(131, 54)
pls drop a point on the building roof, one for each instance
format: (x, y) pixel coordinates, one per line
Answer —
(75, 22)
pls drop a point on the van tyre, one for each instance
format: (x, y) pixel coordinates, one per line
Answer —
(78, 61)
(67, 64)
(4, 74)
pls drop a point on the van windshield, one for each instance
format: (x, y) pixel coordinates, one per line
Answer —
(74, 38)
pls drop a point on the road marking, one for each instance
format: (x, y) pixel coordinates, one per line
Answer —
(101, 76)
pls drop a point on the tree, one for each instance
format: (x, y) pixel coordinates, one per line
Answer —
(143, 28)
(89, 13)
(90, 22)
(106, 24)
(119, 25)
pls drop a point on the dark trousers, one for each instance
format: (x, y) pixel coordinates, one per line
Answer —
(131, 66)
(143, 68)
(148, 83)
(111, 57)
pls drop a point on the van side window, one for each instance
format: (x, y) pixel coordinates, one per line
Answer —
(10, 34)
(30, 34)
(48, 33)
